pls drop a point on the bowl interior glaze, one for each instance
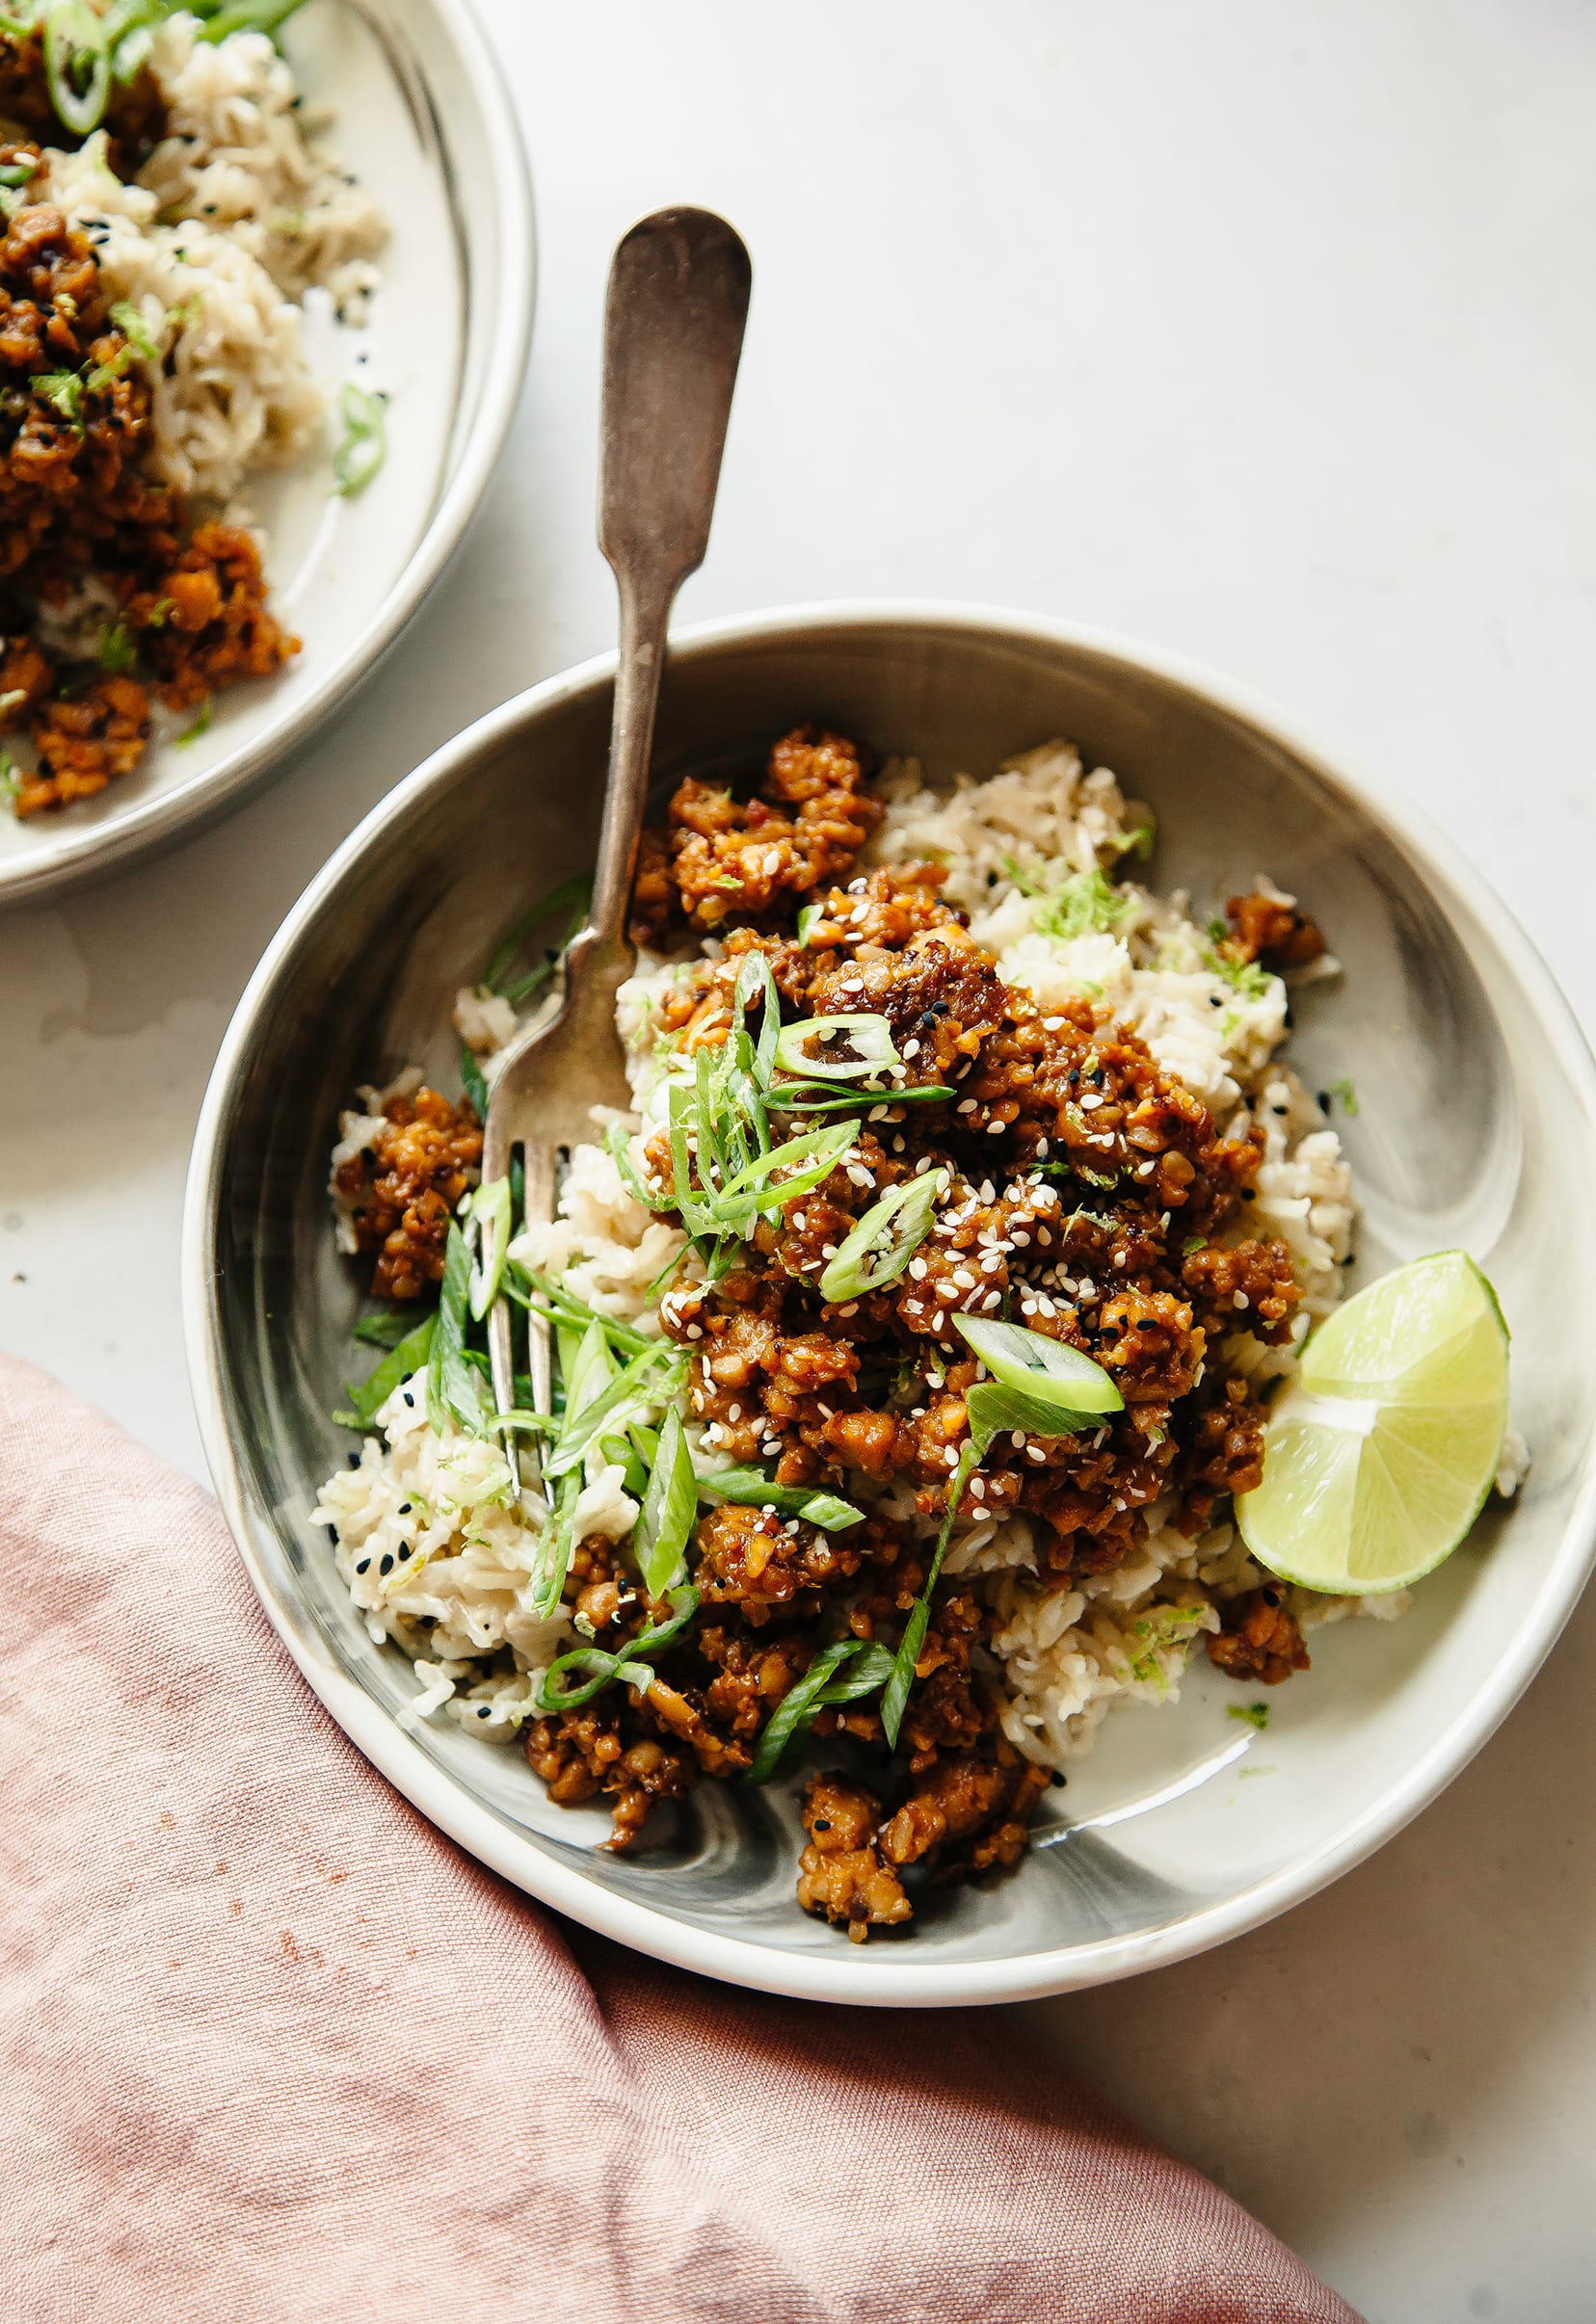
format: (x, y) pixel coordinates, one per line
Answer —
(1474, 1127)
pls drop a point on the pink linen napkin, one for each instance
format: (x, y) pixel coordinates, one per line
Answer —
(272, 2051)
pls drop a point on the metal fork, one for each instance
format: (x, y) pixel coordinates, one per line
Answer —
(674, 319)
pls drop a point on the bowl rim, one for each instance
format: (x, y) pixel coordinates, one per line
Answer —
(852, 1974)
(84, 856)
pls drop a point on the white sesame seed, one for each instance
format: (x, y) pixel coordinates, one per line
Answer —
(695, 1331)
(852, 1308)
(966, 1105)
(1034, 1452)
(1241, 1300)
(827, 1251)
(917, 1268)
(995, 1129)
(734, 1411)
(1052, 1024)
(989, 1192)
(911, 1049)
(1042, 1150)
(964, 1279)
(1027, 1307)
(977, 1488)
(1021, 1239)
(990, 1263)
(1089, 1105)
(993, 1299)
(1086, 1287)
(939, 1324)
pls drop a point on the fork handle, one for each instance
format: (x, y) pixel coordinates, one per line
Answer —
(674, 319)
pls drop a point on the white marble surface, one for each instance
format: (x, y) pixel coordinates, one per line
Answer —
(1259, 328)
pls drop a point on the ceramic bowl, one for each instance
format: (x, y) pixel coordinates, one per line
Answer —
(420, 111)
(1474, 1127)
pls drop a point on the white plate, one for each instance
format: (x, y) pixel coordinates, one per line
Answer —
(421, 115)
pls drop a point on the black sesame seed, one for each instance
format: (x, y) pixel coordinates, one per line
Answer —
(387, 1566)
(354, 1459)
(405, 1548)
(484, 1711)
(333, 1535)
(365, 1565)
(410, 1400)
(404, 1509)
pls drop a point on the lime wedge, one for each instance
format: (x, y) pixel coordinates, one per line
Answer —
(1379, 1461)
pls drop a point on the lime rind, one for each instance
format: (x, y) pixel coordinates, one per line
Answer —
(1378, 1463)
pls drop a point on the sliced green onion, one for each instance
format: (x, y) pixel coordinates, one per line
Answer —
(490, 1217)
(802, 1705)
(752, 1488)
(812, 1097)
(868, 1036)
(410, 1355)
(65, 390)
(755, 983)
(1041, 1368)
(201, 724)
(897, 1695)
(571, 895)
(806, 918)
(670, 1506)
(563, 1306)
(647, 1380)
(886, 1237)
(130, 322)
(246, 15)
(363, 445)
(386, 1328)
(17, 174)
(604, 1669)
(454, 1390)
(562, 1541)
(74, 38)
(992, 1409)
(117, 651)
(995, 1409)
(473, 1082)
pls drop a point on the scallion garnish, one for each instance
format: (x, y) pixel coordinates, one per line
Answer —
(604, 1669)
(116, 652)
(63, 389)
(993, 1410)
(129, 319)
(877, 1250)
(818, 1688)
(200, 726)
(752, 1488)
(490, 1217)
(866, 1036)
(410, 1355)
(473, 1082)
(670, 1506)
(454, 1387)
(77, 63)
(570, 896)
(363, 445)
(386, 1328)
(1042, 1368)
(806, 918)
(646, 1381)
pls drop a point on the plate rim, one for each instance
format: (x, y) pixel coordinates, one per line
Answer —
(895, 1981)
(86, 857)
